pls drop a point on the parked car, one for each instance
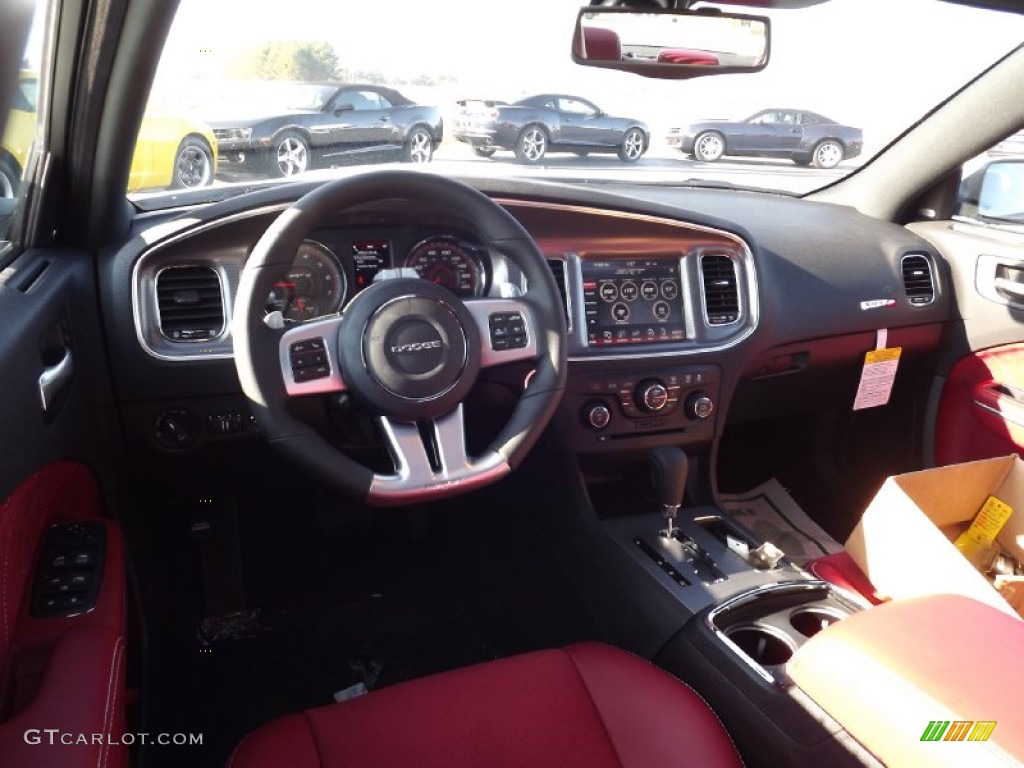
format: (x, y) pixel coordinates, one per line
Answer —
(172, 151)
(330, 124)
(806, 138)
(545, 123)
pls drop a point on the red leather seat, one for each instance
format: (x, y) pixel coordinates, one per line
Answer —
(587, 705)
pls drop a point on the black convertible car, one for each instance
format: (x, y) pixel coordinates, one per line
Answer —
(546, 123)
(806, 138)
(327, 125)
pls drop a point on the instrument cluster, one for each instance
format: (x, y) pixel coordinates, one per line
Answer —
(332, 266)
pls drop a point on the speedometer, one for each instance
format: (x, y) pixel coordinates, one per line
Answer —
(444, 261)
(315, 285)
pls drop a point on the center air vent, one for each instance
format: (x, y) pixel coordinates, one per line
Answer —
(721, 295)
(190, 302)
(917, 279)
(558, 270)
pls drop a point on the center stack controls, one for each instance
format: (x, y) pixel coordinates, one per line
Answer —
(615, 407)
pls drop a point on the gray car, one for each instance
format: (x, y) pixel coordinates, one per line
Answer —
(545, 123)
(806, 138)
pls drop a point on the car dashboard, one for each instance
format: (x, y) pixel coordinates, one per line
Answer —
(686, 309)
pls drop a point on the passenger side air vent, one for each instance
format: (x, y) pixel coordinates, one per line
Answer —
(190, 303)
(558, 270)
(721, 294)
(917, 279)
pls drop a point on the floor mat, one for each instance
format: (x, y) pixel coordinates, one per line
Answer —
(771, 514)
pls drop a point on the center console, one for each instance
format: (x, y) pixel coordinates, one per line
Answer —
(742, 610)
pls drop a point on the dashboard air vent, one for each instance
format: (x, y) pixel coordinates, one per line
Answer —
(190, 303)
(721, 294)
(917, 279)
(558, 270)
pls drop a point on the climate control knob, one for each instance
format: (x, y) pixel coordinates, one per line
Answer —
(596, 415)
(651, 396)
(699, 406)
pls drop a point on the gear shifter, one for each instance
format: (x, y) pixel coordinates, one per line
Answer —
(669, 467)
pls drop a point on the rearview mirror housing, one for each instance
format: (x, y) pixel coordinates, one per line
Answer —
(671, 44)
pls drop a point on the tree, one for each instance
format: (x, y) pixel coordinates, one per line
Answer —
(287, 60)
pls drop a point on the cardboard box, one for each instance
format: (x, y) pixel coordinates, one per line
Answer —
(903, 541)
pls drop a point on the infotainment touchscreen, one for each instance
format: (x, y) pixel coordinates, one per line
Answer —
(633, 301)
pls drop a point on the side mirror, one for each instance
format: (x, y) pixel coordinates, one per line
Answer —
(674, 44)
(344, 107)
(1002, 191)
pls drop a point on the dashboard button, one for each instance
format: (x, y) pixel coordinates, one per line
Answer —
(651, 396)
(597, 415)
(699, 406)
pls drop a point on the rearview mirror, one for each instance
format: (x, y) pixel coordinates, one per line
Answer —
(670, 44)
(346, 106)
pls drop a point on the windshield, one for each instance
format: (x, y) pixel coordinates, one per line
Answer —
(324, 88)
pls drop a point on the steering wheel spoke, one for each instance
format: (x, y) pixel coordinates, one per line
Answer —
(308, 355)
(431, 457)
(507, 331)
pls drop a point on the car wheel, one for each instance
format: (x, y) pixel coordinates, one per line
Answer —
(10, 178)
(532, 145)
(193, 164)
(484, 151)
(419, 147)
(709, 146)
(827, 154)
(289, 155)
(633, 145)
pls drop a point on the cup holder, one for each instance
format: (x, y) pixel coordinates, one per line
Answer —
(810, 621)
(762, 645)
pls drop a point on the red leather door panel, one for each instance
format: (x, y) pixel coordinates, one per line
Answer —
(981, 413)
(66, 673)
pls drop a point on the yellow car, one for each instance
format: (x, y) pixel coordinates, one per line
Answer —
(172, 152)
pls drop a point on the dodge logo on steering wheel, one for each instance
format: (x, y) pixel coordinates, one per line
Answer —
(416, 346)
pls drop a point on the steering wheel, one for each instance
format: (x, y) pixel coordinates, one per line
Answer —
(408, 350)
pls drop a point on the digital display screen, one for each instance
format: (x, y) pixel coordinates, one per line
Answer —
(368, 258)
(633, 301)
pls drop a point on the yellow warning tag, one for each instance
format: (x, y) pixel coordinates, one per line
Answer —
(987, 525)
(882, 355)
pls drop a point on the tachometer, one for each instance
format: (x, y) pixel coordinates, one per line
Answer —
(442, 260)
(315, 285)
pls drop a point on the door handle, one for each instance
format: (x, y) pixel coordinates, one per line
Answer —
(1012, 287)
(53, 379)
